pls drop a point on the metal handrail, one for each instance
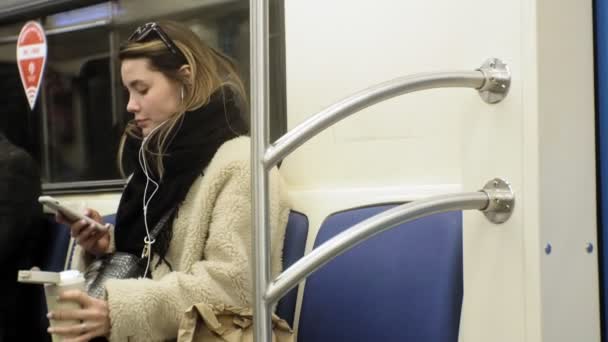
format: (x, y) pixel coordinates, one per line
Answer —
(492, 81)
(365, 230)
(496, 197)
(487, 78)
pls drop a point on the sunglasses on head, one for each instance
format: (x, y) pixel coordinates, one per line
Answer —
(143, 34)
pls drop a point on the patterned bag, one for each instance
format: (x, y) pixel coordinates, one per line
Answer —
(118, 265)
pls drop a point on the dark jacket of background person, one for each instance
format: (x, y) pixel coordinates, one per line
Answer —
(21, 235)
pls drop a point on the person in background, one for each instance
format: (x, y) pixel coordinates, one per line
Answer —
(189, 159)
(21, 237)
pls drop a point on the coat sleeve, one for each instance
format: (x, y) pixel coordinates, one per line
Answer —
(19, 208)
(152, 309)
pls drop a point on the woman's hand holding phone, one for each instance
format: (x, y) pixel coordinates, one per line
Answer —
(86, 235)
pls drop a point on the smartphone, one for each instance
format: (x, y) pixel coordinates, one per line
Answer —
(68, 212)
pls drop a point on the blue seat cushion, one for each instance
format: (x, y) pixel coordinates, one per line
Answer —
(109, 219)
(293, 250)
(57, 246)
(404, 284)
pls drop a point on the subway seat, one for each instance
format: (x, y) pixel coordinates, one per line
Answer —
(404, 284)
(57, 249)
(293, 249)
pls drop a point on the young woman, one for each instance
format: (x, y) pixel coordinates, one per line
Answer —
(187, 162)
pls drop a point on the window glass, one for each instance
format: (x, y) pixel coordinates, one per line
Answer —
(81, 131)
(71, 131)
(11, 31)
(17, 122)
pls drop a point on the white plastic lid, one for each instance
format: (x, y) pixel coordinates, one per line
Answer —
(71, 277)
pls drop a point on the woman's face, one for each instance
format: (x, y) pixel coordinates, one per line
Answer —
(153, 98)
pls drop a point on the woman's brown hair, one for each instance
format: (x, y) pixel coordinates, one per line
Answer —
(210, 71)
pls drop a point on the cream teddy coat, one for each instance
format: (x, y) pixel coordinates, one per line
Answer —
(210, 252)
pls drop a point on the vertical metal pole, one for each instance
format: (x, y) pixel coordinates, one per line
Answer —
(46, 139)
(114, 64)
(259, 176)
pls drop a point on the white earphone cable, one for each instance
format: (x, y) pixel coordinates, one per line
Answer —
(148, 241)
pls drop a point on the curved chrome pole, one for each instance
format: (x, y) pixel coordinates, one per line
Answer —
(492, 80)
(496, 196)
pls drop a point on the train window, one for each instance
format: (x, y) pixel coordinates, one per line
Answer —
(81, 132)
(80, 113)
(71, 125)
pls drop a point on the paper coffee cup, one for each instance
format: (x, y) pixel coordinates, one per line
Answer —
(69, 280)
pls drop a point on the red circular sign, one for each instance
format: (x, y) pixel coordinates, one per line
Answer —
(31, 59)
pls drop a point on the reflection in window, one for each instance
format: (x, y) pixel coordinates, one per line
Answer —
(17, 122)
(82, 135)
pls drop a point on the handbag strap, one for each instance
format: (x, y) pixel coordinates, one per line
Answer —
(162, 223)
(157, 228)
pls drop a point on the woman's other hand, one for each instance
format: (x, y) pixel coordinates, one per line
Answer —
(94, 315)
(86, 235)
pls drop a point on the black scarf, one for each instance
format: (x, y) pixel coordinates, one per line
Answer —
(192, 144)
